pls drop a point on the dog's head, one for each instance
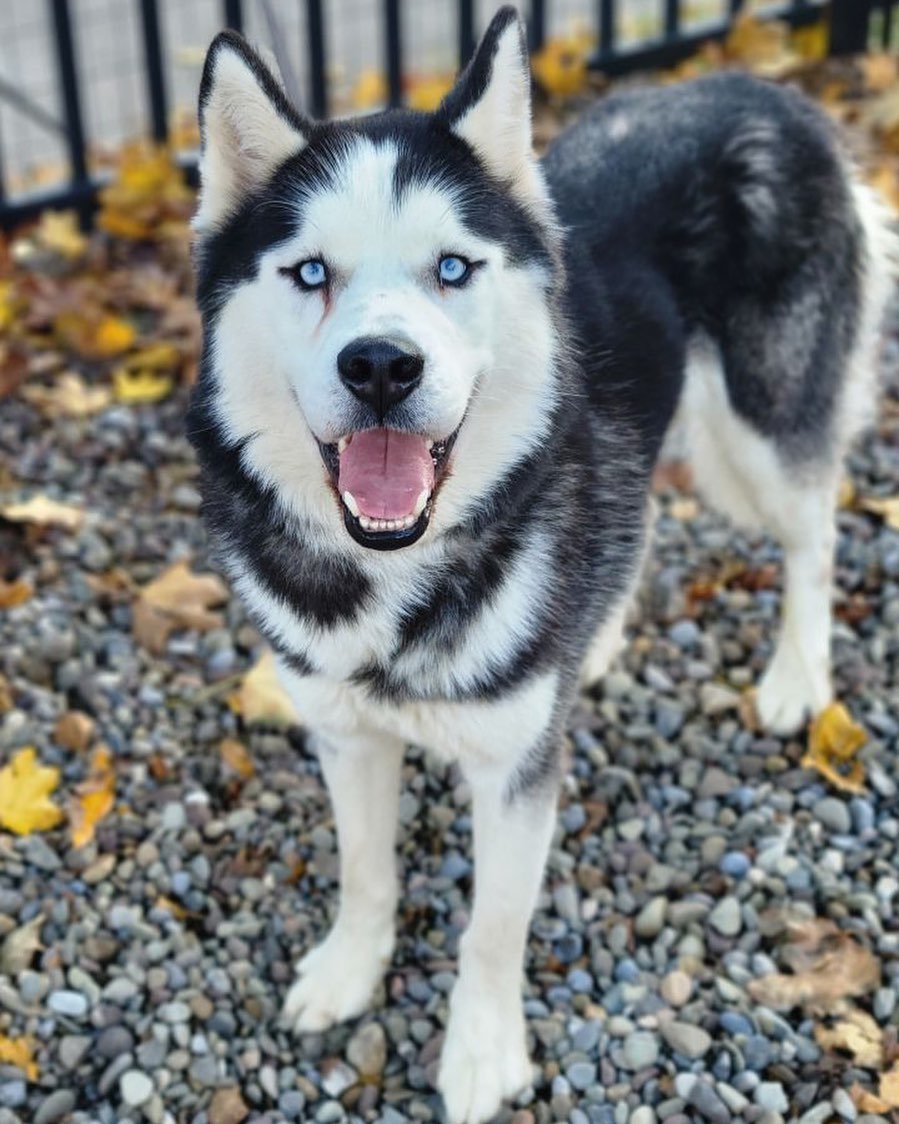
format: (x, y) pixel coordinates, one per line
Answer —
(376, 293)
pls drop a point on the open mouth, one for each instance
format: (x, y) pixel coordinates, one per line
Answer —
(387, 480)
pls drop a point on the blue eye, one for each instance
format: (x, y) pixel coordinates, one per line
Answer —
(312, 274)
(453, 270)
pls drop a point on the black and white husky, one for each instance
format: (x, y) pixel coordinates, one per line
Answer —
(437, 375)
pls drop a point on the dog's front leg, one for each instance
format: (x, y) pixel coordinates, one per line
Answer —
(337, 979)
(485, 1058)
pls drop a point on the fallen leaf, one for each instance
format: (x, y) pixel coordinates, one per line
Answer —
(178, 598)
(5, 695)
(761, 45)
(889, 1086)
(866, 1101)
(560, 66)
(887, 509)
(15, 593)
(94, 797)
(19, 1052)
(59, 233)
(369, 90)
(879, 71)
(147, 194)
(684, 509)
(20, 946)
(261, 698)
(829, 967)
(227, 1106)
(235, 756)
(74, 730)
(93, 333)
(425, 92)
(833, 743)
(137, 388)
(857, 1034)
(25, 788)
(69, 396)
(44, 512)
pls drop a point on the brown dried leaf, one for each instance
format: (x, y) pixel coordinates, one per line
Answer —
(833, 743)
(829, 966)
(235, 756)
(887, 509)
(857, 1034)
(20, 946)
(866, 1101)
(178, 598)
(889, 1086)
(15, 593)
(69, 396)
(74, 730)
(44, 512)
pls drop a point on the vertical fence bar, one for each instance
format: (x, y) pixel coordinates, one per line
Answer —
(466, 31)
(537, 25)
(735, 6)
(67, 74)
(606, 27)
(232, 12)
(393, 51)
(318, 82)
(849, 26)
(672, 18)
(887, 33)
(149, 14)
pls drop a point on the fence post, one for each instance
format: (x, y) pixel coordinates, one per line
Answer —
(849, 20)
(318, 81)
(393, 50)
(71, 103)
(233, 15)
(537, 25)
(466, 31)
(155, 73)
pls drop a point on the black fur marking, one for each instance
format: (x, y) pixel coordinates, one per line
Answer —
(245, 519)
(474, 80)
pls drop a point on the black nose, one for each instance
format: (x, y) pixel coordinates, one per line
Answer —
(379, 373)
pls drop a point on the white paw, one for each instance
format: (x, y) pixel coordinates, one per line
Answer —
(790, 692)
(336, 980)
(485, 1059)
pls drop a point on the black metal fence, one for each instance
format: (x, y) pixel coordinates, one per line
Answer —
(852, 22)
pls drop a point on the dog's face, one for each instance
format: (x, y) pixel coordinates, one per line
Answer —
(376, 292)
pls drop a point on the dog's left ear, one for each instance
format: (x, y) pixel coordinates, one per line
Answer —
(490, 105)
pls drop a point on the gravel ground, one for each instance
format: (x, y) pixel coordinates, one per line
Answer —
(167, 943)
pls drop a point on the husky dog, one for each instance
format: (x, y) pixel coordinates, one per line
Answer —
(437, 375)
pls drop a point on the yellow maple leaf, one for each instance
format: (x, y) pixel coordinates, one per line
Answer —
(93, 334)
(20, 1053)
(140, 387)
(425, 92)
(44, 512)
(560, 66)
(856, 1033)
(178, 598)
(833, 743)
(69, 396)
(94, 797)
(25, 788)
(59, 232)
(261, 698)
(761, 45)
(369, 90)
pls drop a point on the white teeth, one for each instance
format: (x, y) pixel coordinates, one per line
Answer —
(350, 501)
(420, 503)
(341, 445)
(381, 524)
(430, 445)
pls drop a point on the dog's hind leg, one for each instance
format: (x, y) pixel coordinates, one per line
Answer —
(745, 475)
(337, 980)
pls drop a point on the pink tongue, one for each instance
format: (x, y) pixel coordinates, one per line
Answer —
(386, 471)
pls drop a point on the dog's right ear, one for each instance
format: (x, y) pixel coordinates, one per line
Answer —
(248, 128)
